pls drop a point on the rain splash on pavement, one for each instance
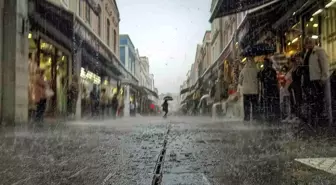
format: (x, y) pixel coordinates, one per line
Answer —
(128, 151)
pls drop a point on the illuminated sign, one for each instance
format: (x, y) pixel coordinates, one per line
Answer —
(89, 76)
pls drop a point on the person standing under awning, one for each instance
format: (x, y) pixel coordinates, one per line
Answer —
(270, 91)
(315, 76)
(248, 80)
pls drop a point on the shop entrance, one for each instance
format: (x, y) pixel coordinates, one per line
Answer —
(55, 63)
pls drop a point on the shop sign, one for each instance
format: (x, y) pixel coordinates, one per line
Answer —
(90, 76)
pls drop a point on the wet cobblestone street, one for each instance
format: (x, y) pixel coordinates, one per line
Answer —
(198, 151)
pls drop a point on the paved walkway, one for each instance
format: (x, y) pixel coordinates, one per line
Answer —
(325, 164)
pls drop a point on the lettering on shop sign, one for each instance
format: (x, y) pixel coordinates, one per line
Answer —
(331, 37)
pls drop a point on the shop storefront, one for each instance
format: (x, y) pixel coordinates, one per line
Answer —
(55, 60)
(50, 49)
(328, 33)
(315, 19)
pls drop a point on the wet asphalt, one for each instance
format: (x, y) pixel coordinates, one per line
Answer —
(189, 151)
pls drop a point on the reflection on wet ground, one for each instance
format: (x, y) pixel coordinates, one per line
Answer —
(199, 151)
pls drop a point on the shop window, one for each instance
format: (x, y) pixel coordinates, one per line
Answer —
(99, 25)
(115, 41)
(312, 27)
(79, 7)
(87, 13)
(293, 39)
(108, 25)
(328, 35)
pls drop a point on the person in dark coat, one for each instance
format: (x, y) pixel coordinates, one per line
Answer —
(94, 97)
(165, 108)
(73, 91)
(270, 91)
(295, 88)
(114, 106)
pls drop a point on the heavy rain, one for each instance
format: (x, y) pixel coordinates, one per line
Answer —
(170, 92)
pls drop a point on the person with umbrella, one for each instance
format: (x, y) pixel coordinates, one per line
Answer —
(165, 105)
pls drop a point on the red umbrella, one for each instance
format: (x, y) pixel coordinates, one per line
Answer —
(152, 106)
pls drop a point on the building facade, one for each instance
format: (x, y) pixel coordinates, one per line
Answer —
(102, 17)
(14, 31)
(128, 53)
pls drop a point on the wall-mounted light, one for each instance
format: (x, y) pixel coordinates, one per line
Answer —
(315, 25)
(294, 13)
(244, 59)
(29, 36)
(314, 37)
(311, 19)
(330, 4)
(289, 43)
(318, 12)
(294, 40)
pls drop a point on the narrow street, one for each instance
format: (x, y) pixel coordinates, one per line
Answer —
(151, 150)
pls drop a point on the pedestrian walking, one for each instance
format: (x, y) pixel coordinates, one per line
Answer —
(72, 96)
(165, 108)
(248, 80)
(103, 102)
(94, 101)
(315, 75)
(114, 106)
(270, 92)
(40, 91)
(132, 109)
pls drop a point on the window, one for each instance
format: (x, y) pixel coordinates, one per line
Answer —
(115, 41)
(79, 7)
(87, 13)
(99, 25)
(108, 25)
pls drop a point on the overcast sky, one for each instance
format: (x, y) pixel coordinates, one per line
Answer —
(167, 31)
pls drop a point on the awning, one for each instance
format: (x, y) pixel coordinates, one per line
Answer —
(53, 21)
(295, 9)
(141, 89)
(258, 50)
(98, 62)
(213, 68)
(259, 20)
(184, 90)
(228, 7)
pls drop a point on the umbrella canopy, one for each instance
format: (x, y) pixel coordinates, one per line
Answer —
(258, 50)
(168, 98)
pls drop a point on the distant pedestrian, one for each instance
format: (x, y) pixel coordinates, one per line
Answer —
(72, 94)
(248, 79)
(114, 106)
(103, 102)
(132, 109)
(40, 89)
(94, 101)
(165, 108)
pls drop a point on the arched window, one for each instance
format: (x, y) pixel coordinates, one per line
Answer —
(115, 41)
(108, 25)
